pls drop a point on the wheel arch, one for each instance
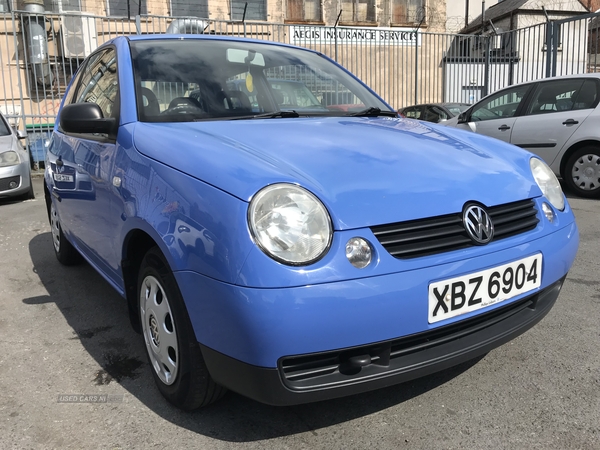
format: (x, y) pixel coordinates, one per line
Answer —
(572, 149)
(135, 246)
(47, 197)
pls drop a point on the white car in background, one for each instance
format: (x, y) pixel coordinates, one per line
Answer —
(557, 118)
(15, 164)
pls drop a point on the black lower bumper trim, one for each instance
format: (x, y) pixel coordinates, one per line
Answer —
(412, 357)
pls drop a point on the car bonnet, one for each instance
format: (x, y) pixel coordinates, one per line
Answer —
(367, 171)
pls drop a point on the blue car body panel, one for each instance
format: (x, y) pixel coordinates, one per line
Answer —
(259, 326)
(347, 163)
(188, 187)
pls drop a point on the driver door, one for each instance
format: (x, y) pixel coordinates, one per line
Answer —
(495, 115)
(81, 164)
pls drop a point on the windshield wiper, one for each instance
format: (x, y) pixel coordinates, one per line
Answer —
(270, 115)
(374, 112)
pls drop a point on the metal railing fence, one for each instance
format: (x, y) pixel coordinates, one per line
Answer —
(39, 53)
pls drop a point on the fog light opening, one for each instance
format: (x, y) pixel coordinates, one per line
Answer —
(359, 252)
(548, 212)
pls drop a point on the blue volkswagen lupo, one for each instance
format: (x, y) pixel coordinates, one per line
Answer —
(294, 255)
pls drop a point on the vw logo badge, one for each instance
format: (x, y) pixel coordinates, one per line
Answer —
(478, 224)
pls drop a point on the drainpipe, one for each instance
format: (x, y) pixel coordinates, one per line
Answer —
(187, 26)
(36, 41)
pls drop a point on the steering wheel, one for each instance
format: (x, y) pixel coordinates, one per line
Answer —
(184, 109)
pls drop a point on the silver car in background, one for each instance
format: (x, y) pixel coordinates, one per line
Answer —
(557, 118)
(15, 164)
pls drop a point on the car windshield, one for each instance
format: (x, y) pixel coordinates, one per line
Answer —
(208, 79)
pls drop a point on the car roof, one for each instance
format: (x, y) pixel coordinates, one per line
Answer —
(543, 80)
(203, 37)
(559, 77)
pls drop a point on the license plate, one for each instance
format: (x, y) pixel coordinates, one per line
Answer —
(460, 295)
(63, 177)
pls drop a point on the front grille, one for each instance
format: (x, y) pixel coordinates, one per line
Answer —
(447, 233)
(4, 182)
(335, 368)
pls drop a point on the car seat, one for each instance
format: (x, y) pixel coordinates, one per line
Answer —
(545, 103)
(238, 100)
(149, 102)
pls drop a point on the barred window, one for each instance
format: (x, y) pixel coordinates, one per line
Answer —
(191, 8)
(303, 10)
(256, 10)
(62, 5)
(358, 11)
(6, 6)
(408, 11)
(126, 8)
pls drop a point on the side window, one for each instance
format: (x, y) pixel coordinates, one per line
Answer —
(123, 8)
(292, 94)
(303, 10)
(255, 9)
(436, 114)
(554, 96)
(413, 113)
(499, 106)
(358, 11)
(99, 83)
(71, 94)
(587, 97)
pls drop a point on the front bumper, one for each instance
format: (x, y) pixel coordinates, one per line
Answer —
(20, 174)
(268, 343)
(334, 374)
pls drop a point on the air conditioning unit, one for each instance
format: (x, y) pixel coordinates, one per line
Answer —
(79, 36)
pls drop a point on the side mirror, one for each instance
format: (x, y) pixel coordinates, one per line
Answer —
(462, 117)
(21, 134)
(86, 118)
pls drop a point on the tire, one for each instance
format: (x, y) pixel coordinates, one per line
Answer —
(64, 251)
(582, 172)
(30, 195)
(174, 354)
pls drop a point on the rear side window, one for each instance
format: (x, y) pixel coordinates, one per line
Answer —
(556, 96)
(413, 113)
(587, 97)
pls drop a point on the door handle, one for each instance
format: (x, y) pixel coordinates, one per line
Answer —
(570, 122)
(504, 128)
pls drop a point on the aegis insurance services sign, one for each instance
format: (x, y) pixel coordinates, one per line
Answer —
(328, 35)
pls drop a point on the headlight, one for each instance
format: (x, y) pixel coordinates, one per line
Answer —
(547, 182)
(290, 224)
(10, 158)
